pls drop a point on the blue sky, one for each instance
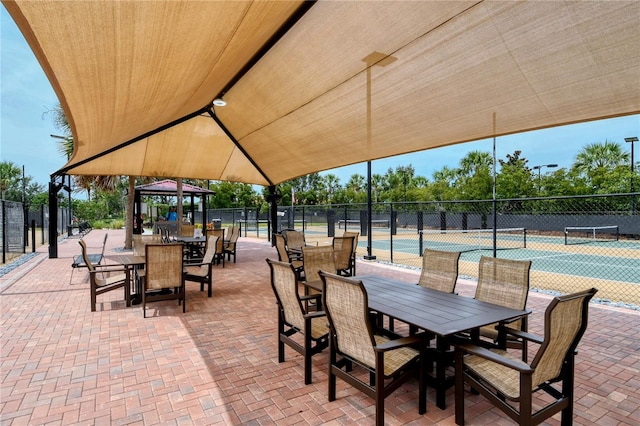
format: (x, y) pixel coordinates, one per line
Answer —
(25, 126)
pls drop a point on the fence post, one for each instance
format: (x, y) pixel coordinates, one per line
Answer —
(346, 219)
(392, 228)
(420, 227)
(42, 221)
(394, 222)
(363, 223)
(331, 223)
(33, 236)
(4, 233)
(443, 221)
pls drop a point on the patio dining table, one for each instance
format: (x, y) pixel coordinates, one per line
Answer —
(132, 262)
(195, 245)
(443, 314)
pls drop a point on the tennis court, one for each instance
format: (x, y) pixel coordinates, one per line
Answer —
(609, 264)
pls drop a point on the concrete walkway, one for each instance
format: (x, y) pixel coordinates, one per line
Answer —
(217, 364)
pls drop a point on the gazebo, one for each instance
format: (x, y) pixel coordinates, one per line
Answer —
(169, 187)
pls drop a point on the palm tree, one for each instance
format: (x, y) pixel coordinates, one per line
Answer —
(103, 183)
(356, 183)
(333, 183)
(605, 155)
(475, 161)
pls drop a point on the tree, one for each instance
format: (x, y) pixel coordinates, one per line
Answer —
(514, 179)
(16, 188)
(474, 180)
(597, 161)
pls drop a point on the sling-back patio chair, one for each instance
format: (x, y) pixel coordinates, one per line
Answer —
(231, 243)
(316, 259)
(389, 363)
(504, 282)
(164, 276)
(294, 319)
(510, 383)
(343, 255)
(439, 270)
(202, 271)
(104, 278)
(355, 236)
(285, 256)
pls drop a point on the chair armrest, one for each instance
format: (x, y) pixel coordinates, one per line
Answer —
(401, 342)
(315, 314)
(495, 357)
(310, 297)
(105, 268)
(194, 264)
(524, 335)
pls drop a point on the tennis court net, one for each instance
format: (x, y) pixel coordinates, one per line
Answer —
(464, 240)
(590, 234)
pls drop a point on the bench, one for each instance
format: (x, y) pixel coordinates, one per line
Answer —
(94, 258)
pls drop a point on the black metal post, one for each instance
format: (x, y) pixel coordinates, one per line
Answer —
(631, 140)
(369, 255)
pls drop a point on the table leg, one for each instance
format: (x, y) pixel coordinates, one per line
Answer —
(136, 298)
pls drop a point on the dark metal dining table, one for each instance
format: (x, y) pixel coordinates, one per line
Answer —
(443, 314)
(195, 245)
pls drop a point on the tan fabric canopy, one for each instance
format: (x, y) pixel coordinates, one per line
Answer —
(314, 86)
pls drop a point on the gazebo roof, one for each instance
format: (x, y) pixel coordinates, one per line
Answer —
(170, 187)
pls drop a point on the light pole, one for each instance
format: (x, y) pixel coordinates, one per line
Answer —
(539, 168)
(631, 140)
(70, 229)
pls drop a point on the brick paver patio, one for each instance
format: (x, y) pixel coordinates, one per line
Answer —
(217, 364)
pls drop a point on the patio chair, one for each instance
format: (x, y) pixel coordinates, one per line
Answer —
(355, 236)
(231, 243)
(219, 254)
(140, 241)
(389, 363)
(509, 383)
(504, 282)
(439, 270)
(202, 271)
(316, 259)
(95, 258)
(295, 240)
(343, 255)
(285, 256)
(102, 281)
(186, 230)
(294, 319)
(164, 276)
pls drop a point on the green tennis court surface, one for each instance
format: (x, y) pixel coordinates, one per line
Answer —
(569, 260)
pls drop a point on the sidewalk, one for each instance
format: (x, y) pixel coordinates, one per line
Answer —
(217, 364)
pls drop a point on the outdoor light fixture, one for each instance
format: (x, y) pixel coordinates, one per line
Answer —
(539, 168)
(219, 102)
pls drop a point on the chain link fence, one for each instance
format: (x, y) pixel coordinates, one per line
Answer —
(24, 233)
(573, 242)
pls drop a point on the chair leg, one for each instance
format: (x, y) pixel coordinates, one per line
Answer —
(93, 298)
(331, 395)
(307, 359)
(459, 388)
(379, 389)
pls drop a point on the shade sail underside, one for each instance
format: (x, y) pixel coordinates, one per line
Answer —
(349, 81)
